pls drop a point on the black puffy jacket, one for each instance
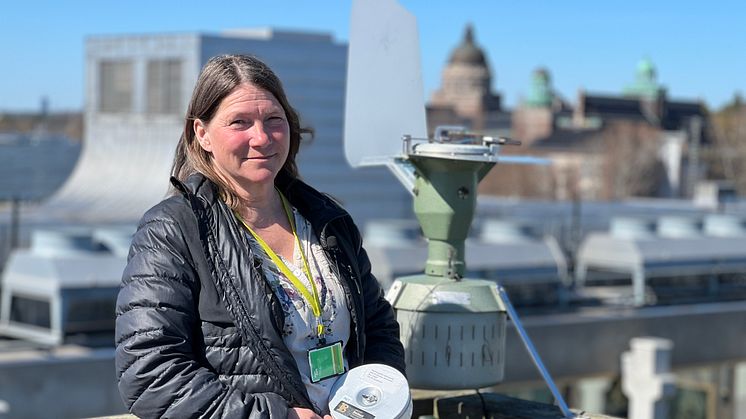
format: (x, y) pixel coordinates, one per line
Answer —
(198, 328)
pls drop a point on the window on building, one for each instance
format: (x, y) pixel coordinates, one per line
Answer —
(116, 90)
(164, 86)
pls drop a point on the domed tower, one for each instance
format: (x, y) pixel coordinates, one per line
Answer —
(646, 84)
(466, 85)
(540, 95)
(651, 94)
(533, 119)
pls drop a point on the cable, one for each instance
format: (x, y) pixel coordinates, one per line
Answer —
(485, 413)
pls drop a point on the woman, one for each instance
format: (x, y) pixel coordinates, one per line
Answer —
(246, 291)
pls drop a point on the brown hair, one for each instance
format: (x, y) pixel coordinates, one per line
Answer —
(217, 80)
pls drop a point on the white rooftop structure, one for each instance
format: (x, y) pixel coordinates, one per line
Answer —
(137, 90)
(506, 251)
(65, 283)
(638, 249)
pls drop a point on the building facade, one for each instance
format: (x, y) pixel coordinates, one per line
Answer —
(608, 146)
(465, 96)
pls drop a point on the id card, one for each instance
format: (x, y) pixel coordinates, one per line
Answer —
(326, 362)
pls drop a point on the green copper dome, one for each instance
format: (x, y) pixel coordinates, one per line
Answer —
(468, 52)
(540, 94)
(646, 83)
(645, 70)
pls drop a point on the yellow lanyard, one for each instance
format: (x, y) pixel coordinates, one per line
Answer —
(313, 299)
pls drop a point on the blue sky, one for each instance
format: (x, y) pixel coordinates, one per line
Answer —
(697, 47)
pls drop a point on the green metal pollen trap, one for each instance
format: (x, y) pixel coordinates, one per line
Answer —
(453, 327)
(446, 179)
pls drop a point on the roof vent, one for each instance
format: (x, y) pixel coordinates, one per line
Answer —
(501, 231)
(722, 225)
(116, 239)
(392, 233)
(62, 242)
(678, 227)
(632, 228)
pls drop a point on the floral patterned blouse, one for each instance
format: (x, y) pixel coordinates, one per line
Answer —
(300, 332)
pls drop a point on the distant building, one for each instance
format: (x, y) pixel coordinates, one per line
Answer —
(465, 96)
(642, 101)
(613, 146)
(42, 124)
(638, 143)
(136, 95)
(536, 117)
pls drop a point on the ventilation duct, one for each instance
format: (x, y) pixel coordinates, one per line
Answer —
(677, 226)
(632, 228)
(685, 259)
(393, 233)
(66, 284)
(723, 225)
(503, 250)
(501, 231)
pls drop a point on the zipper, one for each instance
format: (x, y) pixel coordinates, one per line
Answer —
(354, 279)
(330, 245)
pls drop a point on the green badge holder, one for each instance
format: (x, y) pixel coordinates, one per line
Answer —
(326, 361)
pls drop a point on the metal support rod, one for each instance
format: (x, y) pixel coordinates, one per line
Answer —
(534, 355)
(15, 223)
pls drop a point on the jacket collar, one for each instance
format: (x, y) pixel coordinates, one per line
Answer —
(315, 206)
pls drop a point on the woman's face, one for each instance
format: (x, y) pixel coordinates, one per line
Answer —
(248, 137)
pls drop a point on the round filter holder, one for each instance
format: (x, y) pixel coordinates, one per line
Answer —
(371, 391)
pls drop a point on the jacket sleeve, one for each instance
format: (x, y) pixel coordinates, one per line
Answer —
(158, 370)
(382, 342)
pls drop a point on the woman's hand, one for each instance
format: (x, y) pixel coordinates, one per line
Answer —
(301, 413)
